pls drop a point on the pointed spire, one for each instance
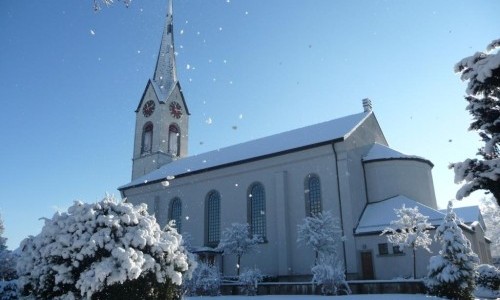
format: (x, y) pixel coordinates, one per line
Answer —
(165, 75)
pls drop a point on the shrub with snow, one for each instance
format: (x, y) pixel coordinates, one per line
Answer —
(331, 279)
(452, 272)
(488, 281)
(482, 72)
(105, 250)
(206, 281)
(250, 279)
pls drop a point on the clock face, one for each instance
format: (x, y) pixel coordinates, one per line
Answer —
(175, 109)
(148, 108)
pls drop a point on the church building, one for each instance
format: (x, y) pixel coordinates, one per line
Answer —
(344, 166)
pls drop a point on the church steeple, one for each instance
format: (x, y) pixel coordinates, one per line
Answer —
(165, 75)
(162, 116)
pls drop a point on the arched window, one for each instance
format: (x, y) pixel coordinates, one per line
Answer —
(212, 219)
(257, 210)
(174, 140)
(312, 193)
(147, 138)
(176, 213)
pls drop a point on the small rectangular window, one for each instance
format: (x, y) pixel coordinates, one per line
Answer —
(396, 249)
(383, 249)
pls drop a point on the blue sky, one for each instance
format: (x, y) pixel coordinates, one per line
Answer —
(70, 80)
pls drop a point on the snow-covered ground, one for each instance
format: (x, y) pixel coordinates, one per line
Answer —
(310, 297)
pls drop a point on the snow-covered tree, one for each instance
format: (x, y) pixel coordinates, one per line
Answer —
(482, 72)
(237, 240)
(322, 232)
(452, 272)
(7, 258)
(409, 230)
(491, 216)
(105, 250)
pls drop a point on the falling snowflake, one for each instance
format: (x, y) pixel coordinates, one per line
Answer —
(165, 183)
(187, 217)
(208, 121)
(188, 66)
(92, 32)
(220, 28)
(182, 31)
(240, 116)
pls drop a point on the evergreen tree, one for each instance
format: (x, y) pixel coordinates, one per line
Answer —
(491, 216)
(452, 272)
(482, 72)
(237, 240)
(409, 230)
(7, 258)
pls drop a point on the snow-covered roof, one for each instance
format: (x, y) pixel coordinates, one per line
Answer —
(326, 132)
(377, 216)
(468, 214)
(382, 152)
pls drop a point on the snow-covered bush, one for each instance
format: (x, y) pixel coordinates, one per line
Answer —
(105, 250)
(488, 276)
(249, 280)
(206, 281)
(482, 72)
(452, 272)
(409, 230)
(8, 290)
(331, 279)
(237, 240)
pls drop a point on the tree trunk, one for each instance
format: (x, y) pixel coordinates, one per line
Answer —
(414, 264)
(238, 266)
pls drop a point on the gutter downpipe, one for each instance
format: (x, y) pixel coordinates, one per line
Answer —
(340, 205)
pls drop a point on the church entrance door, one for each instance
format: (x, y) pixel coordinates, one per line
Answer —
(367, 265)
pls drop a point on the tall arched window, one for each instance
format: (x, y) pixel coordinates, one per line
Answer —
(212, 219)
(257, 210)
(174, 140)
(176, 213)
(147, 138)
(312, 195)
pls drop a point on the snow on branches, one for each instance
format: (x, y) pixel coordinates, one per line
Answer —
(451, 273)
(409, 230)
(237, 240)
(95, 247)
(322, 233)
(482, 72)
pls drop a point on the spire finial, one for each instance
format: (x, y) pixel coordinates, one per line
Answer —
(165, 75)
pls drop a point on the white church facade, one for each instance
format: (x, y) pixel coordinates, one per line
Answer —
(344, 166)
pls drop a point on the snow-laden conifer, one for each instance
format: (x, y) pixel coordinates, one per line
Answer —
(236, 240)
(409, 230)
(105, 250)
(482, 73)
(452, 272)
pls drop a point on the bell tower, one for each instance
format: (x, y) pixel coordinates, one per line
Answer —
(162, 116)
